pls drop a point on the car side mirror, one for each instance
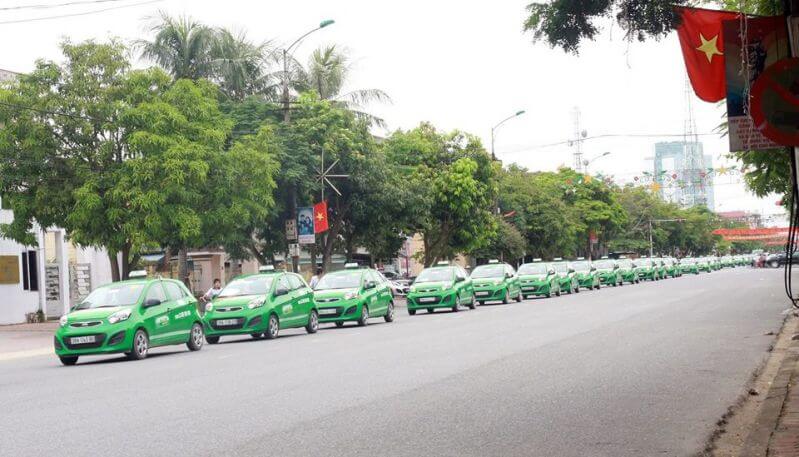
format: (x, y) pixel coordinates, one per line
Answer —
(571, 270)
(460, 279)
(149, 303)
(552, 272)
(280, 291)
(593, 268)
(370, 285)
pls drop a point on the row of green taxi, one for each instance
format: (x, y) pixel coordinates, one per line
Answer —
(131, 317)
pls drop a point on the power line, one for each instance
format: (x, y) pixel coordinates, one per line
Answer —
(609, 135)
(85, 13)
(46, 6)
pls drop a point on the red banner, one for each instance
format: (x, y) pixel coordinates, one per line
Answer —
(320, 217)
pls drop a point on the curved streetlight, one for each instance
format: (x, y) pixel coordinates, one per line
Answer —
(286, 51)
(494, 129)
(295, 258)
(586, 163)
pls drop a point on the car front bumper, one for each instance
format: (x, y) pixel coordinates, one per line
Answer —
(536, 288)
(490, 293)
(109, 339)
(246, 323)
(340, 311)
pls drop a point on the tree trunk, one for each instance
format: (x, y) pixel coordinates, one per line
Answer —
(183, 267)
(126, 264)
(112, 259)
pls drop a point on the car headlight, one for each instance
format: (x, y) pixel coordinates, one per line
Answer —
(256, 303)
(446, 285)
(497, 282)
(63, 320)
(209, 307)
(119, 316)
(350, 295)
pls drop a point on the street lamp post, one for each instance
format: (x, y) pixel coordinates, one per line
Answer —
(286, 99)
(586, 163)
(494, 129)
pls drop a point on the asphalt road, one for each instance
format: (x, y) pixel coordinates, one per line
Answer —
(632, 371)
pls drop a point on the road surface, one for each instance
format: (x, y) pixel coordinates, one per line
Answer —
(631, 371)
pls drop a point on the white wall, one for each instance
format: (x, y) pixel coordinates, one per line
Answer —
(101, 267)
(16, 301)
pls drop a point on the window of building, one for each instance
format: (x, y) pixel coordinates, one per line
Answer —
(30, 271)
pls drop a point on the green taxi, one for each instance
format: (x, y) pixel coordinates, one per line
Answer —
(353, 294)
(703, 264)
(689, 265)
(609, 273)
(661, 267)
(648, 269)
(629, 270)
(130, 317)
(496, 282)
(261, 305)
(443, 286)
(566, 276)
(538, 279)
(586, 274)
(672, 267)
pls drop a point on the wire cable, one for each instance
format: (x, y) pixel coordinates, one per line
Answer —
(85, 13)
(47, 6)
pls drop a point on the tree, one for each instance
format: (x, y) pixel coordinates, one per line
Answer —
(181, 46)
(507, 243)
(63, 148)
(455, 181)
(567, 23)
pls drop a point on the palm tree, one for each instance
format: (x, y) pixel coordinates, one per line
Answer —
(191, 50)
(328, 71)
(238, 65)
(181, 46)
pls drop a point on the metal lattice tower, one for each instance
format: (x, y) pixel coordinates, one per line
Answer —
(577, 142)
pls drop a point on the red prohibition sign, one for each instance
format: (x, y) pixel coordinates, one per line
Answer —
(775, 102)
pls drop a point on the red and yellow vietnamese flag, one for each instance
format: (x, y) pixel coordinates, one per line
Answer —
(703, 49)
(320, 217)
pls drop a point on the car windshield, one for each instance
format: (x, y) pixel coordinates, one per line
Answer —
(251, 285)
(489, 271)
(604, 265)
(561, 267)
(688, 261)
(113, 296)
(435, 275)
(533, 269)
(626, 263)
(340, 280)
(581, 266)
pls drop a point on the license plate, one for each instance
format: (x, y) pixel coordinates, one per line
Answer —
(223, 322)
(481, 294)
(324, 312)
(427, 299)
(82, 339)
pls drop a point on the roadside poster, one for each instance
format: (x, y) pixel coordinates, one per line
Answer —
(305, 226)
(766, 42)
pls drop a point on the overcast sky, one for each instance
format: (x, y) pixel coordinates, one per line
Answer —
(458, 64)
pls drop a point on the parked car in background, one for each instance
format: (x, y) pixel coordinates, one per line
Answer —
(353, 294)
(441, 286)
(586, 274)
(538, 279)
(496, 282)
(780, 260)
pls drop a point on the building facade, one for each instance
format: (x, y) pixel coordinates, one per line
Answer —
(684, 173)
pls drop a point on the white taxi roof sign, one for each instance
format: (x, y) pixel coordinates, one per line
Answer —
(351, 265)
(443, 263)
(492, 261)
(137, 274)
(263, 268)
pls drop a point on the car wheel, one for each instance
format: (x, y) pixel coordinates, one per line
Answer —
(68, 360)
(196, 337)
(313, 322)
(519, 297)
(577, 289)
(389, 317)
(257, 336)
(481, 303)
(506, 297)
(364, 319)
(430, 310)
(211, 339)
(341, 324)
(457, 306)
(411, 312)
(473, 303)
(557, 292)
(774, 264)
(272, 328)
(141, 345)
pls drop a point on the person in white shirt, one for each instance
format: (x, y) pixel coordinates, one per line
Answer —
(315, 278)
(213, 291)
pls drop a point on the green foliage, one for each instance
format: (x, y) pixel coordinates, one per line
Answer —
(567, 23)
(455, 183)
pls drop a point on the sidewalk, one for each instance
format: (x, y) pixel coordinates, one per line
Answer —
(26, 340)
(784, 440)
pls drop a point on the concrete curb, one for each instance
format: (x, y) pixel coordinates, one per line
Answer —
(757, 443)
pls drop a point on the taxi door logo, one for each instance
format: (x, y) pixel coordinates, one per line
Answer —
(162, 321)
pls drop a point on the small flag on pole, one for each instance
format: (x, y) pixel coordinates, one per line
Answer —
(320, 217)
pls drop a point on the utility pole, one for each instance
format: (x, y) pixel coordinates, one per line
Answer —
(286, 102)
(579, 136)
